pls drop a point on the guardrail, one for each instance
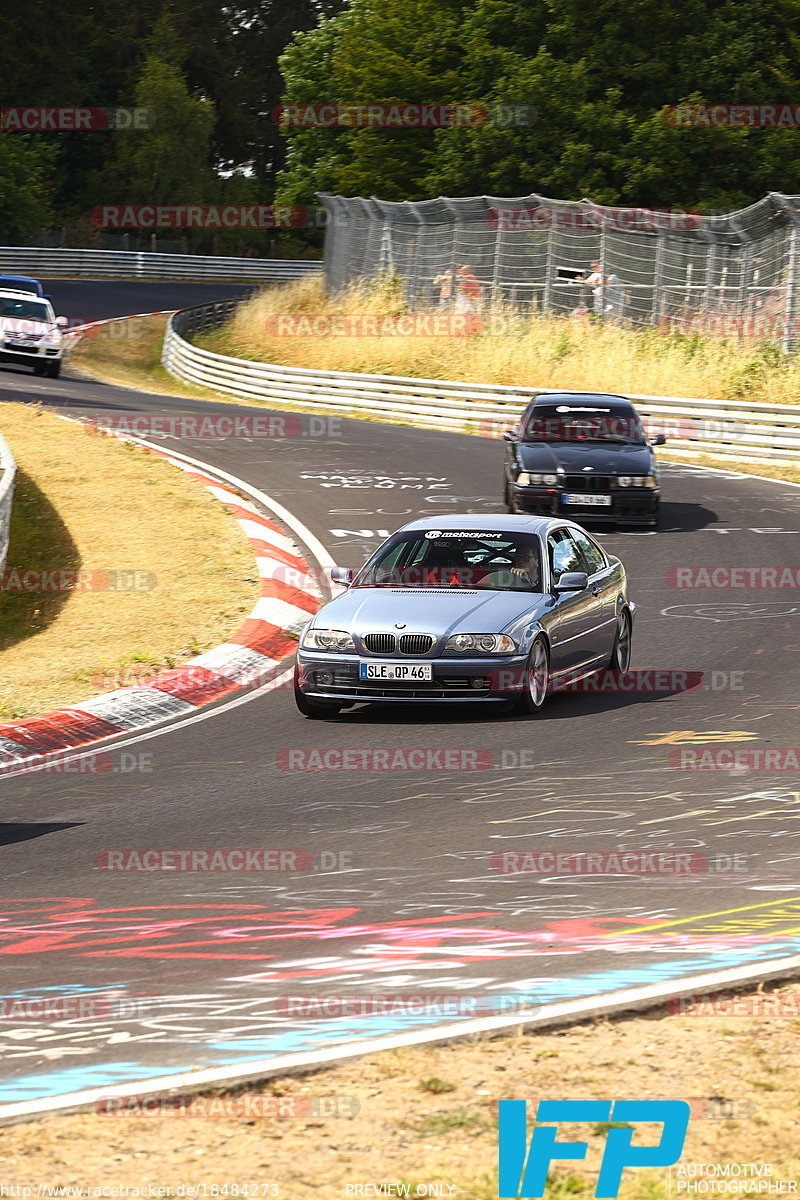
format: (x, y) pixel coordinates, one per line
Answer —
(135, 264)
(8, 472)
(728, 429)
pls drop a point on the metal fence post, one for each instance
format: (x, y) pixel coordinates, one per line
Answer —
(548, 271)
(658, 271)
(603, 248)
(791, 292)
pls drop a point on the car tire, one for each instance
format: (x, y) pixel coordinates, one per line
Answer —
(537, 677)
(620, 659)
(39, 368)
(509, 499)
(315, 710)
(53, 369)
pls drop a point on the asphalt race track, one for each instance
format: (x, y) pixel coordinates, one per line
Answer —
(199, 969)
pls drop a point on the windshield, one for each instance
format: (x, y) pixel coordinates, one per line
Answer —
(25, 310)
(453, 559)
(562, 424)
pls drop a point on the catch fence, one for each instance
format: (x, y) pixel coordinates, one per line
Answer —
(727, 275)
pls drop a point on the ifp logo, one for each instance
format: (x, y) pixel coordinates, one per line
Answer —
(523, 1171)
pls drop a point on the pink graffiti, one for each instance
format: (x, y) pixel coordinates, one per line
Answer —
(74, 926)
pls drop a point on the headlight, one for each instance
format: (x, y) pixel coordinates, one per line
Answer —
(637, 481)
(483, 643)
(526, 478)
(328, 639)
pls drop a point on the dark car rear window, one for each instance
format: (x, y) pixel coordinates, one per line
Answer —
(582, 423)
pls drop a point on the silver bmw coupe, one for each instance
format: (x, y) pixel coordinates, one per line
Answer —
(466, 609)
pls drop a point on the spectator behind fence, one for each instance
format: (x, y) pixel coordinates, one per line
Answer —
(469, 290)
(444, 282)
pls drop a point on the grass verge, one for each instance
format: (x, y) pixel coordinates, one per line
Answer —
(94, 504)
(406, 1131)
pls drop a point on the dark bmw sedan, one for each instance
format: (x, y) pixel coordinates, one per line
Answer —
(584, 456)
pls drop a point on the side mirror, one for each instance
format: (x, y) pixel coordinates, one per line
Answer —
(62, 321)
(572, 581)
(660, 439)
(342, 575)
(509, 435)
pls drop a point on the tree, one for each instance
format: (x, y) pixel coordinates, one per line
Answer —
(599, 77)
(169, 163)
(25, 164)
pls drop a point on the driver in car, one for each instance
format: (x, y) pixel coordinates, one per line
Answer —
(523, 572)
(525, 565)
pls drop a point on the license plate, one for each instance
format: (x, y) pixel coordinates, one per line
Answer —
(23, 345)
(396, 670)
(587, 498)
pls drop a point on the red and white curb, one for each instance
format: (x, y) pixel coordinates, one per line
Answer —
(290, 595)
(78, 331)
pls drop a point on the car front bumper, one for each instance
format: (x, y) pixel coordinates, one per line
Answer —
(634, 505)
(455, 680)
(30, 357)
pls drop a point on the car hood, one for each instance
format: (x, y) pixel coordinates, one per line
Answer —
(433, 610)
(608, 460)
(24, 327)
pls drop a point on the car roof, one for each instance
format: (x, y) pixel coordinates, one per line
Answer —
(10, 294)
(604, 399)
(483, 523)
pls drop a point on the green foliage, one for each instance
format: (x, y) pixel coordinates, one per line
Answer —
(25, 165)
(600, 79)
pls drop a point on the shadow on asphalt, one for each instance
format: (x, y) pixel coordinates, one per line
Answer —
(10, 833)
(559, 706)
(675, 518)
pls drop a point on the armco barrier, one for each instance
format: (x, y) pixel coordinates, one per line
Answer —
(134, 264)
(728, 429)
(8, 471)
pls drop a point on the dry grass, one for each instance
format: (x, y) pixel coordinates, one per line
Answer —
(128, 353)
(408, 1131)
(97, 504)
(545, 352)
